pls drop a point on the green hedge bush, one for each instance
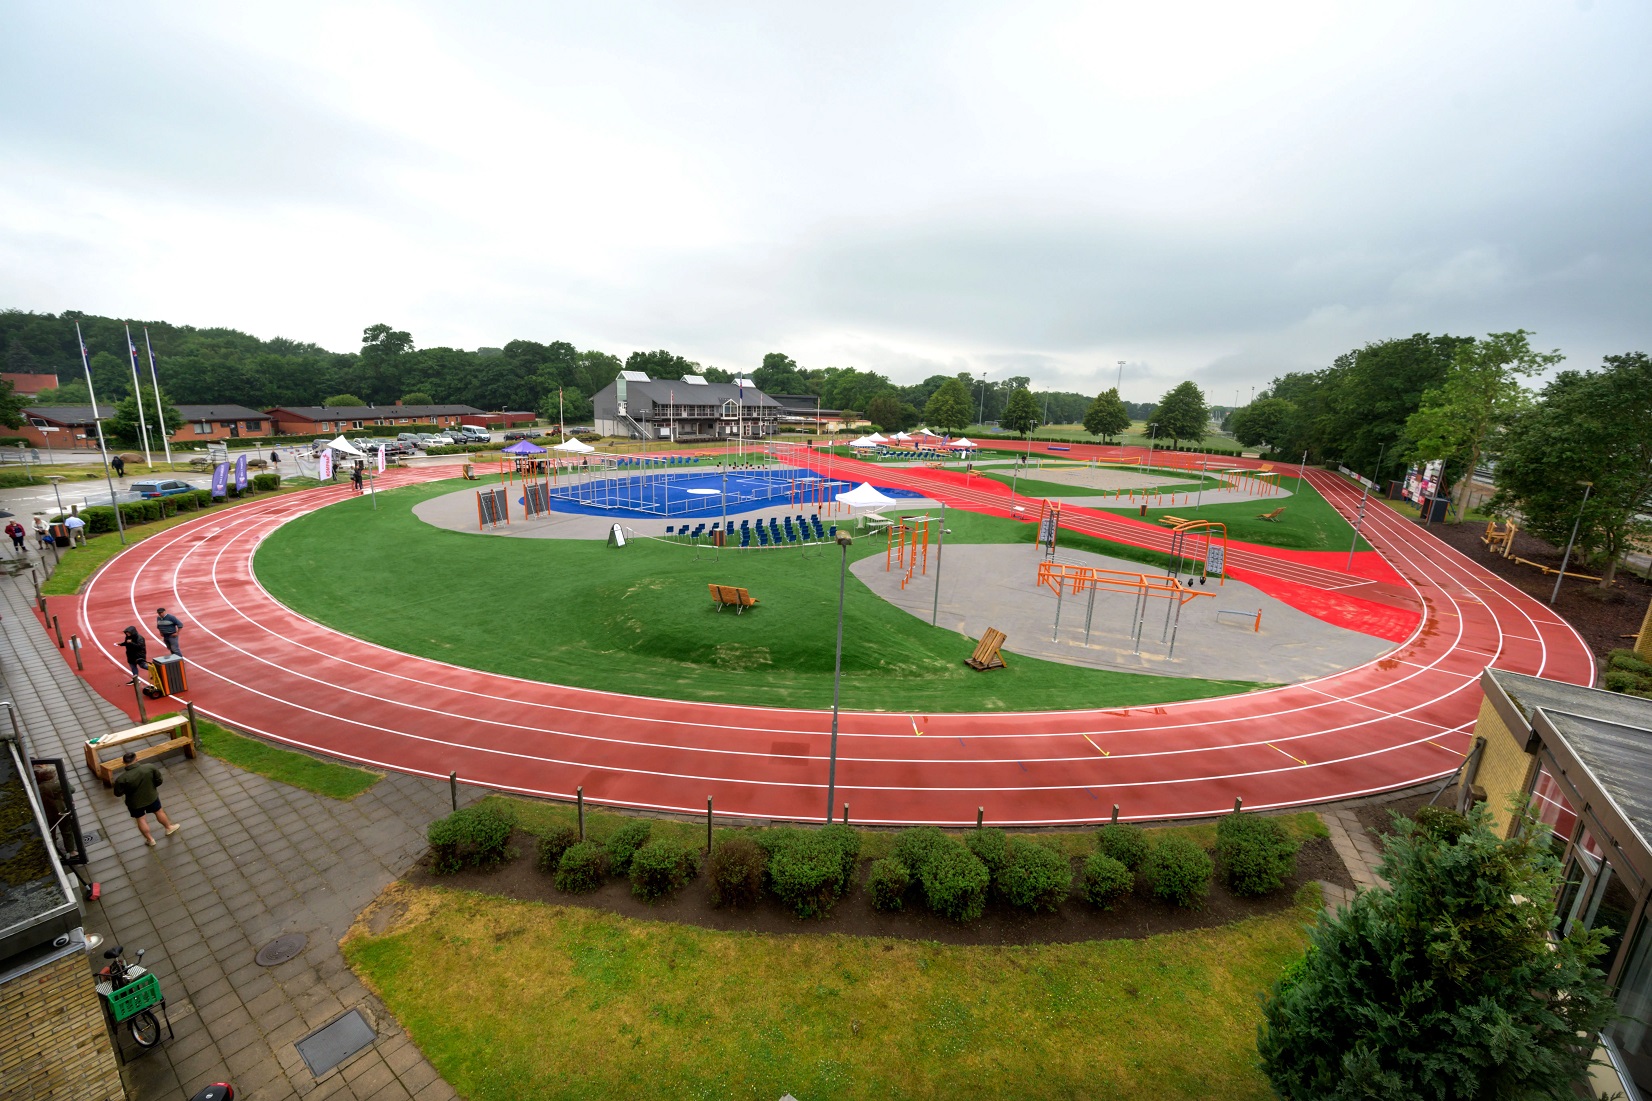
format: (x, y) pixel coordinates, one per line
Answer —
(887, 882)
(1621, 680)
(736, 870)
(475, 835)
(661, 867)
(1178, 871)
(625, 843)
(582, 868)
(1125, 843)
(1034, 877)
(991, 847)
(913, 846)
(263, 483)
(553, 843)
(805, 869)
(1441, 823)
(1256, 854)
(955, 882)
(847, 843)
(1105, 880)
(100, 519)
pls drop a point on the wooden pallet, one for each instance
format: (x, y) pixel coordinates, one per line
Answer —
(986, 654)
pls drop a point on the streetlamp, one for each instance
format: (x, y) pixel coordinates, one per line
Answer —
(844, 539)
(1119, 382)
(981, 417)
(1567, 557)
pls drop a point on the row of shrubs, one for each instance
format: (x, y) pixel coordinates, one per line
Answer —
(100, 519)
(808, 870)
(1626, 672)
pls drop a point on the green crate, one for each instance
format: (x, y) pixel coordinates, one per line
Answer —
(135, 997)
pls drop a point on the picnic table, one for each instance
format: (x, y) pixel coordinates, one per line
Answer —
(175, 733)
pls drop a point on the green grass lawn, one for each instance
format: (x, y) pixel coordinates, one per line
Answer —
(1033, 487)
(640, 621)
(518, 999)
(1308, 522)
(329, 778)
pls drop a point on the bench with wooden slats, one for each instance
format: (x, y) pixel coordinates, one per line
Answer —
(728, 596)
(176, 732)
(1274, 515)
(986, 654)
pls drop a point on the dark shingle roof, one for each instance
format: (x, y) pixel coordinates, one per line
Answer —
(372, 412)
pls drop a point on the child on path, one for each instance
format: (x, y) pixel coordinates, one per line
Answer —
(140, 784)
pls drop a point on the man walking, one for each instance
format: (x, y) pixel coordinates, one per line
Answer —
(169, 625)
(120, 466)
(77, 529)
(140, 784)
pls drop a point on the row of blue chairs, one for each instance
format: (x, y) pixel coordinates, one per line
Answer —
(774, 531)
(664, 460)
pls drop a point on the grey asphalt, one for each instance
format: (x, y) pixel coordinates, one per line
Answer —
(254, 859)
(995, 585)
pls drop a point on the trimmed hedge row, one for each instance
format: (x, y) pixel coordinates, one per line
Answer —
(809, 870)
(100, 519)
(475, 835)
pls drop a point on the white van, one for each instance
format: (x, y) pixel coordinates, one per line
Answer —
(472, 433)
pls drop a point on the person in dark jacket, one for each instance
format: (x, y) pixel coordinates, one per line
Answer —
(140, 785)
(137, 651)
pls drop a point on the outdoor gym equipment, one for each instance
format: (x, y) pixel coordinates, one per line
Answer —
(1059, 577)
(904, 547)
(1210, 554)
(1500, 540)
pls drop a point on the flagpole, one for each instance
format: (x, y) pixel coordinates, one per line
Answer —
(120, 528)
(160, 413)
(137, 397)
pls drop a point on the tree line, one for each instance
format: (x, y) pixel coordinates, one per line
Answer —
(1465, 401)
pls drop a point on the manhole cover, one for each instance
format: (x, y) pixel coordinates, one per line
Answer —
(280, 950)
(332, 1043)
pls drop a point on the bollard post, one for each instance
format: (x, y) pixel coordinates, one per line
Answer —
(1115, 820)
(453, 788)
(194, 727)
(1238, 804)
(59, 631)
(980, 816)
(579, 794)
(137, 692)
(846, 814)
(74, 644)
(708, 825)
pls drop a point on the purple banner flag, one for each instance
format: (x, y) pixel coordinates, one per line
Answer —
(220, 480)
(241, 473)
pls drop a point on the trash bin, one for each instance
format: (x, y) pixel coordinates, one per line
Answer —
(1144, 508)
(167, 675)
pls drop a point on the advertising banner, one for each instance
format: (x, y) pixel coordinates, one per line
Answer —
(220, 480)
(241, 473)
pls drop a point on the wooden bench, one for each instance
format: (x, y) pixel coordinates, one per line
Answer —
(178, 732)
(727, 596)
(1273, 516)
(986, 654)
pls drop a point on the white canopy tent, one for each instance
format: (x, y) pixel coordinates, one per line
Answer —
(875, 438)
(864, 496)
(578, 447)
(962, 444)
(866, 441)
(902, 436)
(346, 447)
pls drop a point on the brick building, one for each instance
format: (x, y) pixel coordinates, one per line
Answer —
(318, 420)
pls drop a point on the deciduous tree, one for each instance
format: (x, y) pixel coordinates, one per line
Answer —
(948, 408)
(1266, 422)
(1182, 414)
(1021, 413)
(1594, 427)
(1107, 415)
(1458, 419)
(338, 401)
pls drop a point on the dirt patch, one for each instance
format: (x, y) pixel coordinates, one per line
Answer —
(1133, 918)
(1601, 616)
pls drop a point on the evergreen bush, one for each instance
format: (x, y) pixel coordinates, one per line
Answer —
(806, 871)
(476, 835)
(1256, 854)
(914, 846)
(625, 842)
(955, 881)
(660, 868)
(736, 871)
(1620, 680)
(582, 868)
(1034, 877)
(1123, 842)
(1105, 880)
(263, 483)
(1178, 871)
(991, 847)
(553, 843)
(100, 519)
(887, 881)
(1441, 823)
(846, 842)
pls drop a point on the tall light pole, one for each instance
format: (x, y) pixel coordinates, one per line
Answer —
(1118, 383)
(1359, 519)
(103, 449)
(1567, 557)
(844, 539)
(940, 545)
(981, 417)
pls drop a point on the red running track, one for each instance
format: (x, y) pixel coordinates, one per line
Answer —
(257, 666)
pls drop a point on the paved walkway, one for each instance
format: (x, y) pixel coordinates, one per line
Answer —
(254, 860)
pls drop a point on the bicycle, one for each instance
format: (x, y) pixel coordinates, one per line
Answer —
(118, 975)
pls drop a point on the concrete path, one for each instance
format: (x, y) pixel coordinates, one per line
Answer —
(254, 860)
(995, 585)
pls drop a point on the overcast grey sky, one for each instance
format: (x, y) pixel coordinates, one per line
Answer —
(1211, 191)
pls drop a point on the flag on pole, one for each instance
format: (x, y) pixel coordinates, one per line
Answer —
(324, 469)
(241, 472)
(381, 458)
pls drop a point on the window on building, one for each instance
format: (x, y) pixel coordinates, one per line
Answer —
(356, 424)
(1593, 893)
(1552, 808)
(1631, 1033)
(253, 426)
(203, 428)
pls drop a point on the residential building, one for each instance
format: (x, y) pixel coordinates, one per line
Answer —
(498, 420)
(26, 386)
(220, 422)
(685, 409)
(803, 413)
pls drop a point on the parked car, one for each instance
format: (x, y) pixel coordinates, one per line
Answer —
(165, 487)
(470, 433)
(408, 437)
(521, 434)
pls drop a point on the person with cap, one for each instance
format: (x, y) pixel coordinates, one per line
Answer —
(169, 625)
(137, 651)
(140, 785)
